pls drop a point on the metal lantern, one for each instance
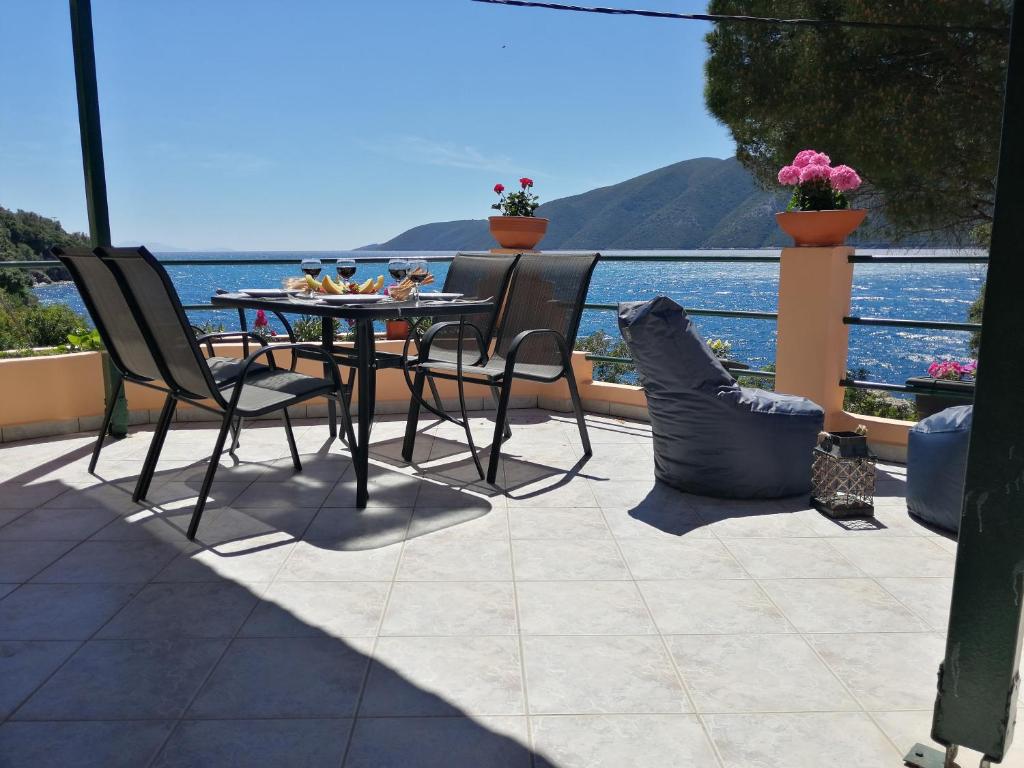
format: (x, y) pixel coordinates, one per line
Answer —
(843, 476)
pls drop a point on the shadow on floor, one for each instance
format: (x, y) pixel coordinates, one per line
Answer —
(119, 668)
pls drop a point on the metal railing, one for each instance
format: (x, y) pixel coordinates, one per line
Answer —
(938, 325)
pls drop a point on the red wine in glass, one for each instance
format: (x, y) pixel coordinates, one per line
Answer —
(346, 270)
(399, 269)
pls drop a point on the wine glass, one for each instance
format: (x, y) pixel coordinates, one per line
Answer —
(346, 268)
(312, 268)
(418, 271)
(398, 268)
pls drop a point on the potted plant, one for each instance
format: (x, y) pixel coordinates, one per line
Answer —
(819, 214)
(517, 227)
(948, 383)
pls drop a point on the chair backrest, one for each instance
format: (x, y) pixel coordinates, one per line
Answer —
(547, 291)
(154, 303)
(106, 304)
(481, 276)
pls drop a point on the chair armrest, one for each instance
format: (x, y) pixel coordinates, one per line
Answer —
(229, 335)
(523, 336)
(428, 339)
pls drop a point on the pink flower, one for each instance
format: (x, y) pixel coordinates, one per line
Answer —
(804, 157)
(821, 158)
(789, 175)
(499, 188)
(951, 370)
(844, 178)
(814, 173)
(526, 182)
(261, 319)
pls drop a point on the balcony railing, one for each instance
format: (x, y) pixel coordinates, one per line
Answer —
(739, 314)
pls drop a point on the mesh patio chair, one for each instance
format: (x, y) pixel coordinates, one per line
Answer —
(478, 276)
(534, 341)
(123, 338)
(154, 303)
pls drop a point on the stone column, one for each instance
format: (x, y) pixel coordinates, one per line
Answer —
(814, 295)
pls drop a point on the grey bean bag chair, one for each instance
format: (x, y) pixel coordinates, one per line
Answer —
(711, 436)
(936, 465)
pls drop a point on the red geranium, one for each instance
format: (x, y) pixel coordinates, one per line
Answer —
(261, 319)
(522, 202)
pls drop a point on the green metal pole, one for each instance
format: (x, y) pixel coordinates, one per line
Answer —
(92, 164)
(976, 705)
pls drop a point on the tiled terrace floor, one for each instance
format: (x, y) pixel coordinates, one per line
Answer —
(585, 619)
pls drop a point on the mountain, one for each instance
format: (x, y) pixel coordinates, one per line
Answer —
(705, 202)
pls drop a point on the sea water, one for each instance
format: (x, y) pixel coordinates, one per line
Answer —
(941, 292)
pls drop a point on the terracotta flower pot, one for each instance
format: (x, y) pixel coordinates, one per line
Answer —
(396, 329)
(820, 228)
(518, 231)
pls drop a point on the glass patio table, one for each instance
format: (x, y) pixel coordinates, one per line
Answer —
(365, 362)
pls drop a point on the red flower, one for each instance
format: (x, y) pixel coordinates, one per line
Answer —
(499, 188)
(526, 182)
(261, 319)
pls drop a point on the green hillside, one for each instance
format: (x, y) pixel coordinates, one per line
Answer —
(701, 203)
(25, 236)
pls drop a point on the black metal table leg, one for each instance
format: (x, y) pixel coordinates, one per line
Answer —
(327, 339)
(367, 377)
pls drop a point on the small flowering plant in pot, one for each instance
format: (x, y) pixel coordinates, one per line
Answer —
(953, 370)
(818, 213)
(517, 227)
(948, 383)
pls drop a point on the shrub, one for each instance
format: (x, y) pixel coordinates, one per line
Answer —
(310, 328)
(50, 326)
(873, 402)
(36, 326)
(600, 343)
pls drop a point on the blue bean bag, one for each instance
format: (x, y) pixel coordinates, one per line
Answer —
(711, 436)
(936, 466)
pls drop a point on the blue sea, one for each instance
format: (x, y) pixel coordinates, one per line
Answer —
(942, 292)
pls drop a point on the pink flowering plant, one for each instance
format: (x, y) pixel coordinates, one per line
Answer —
(818, 185)
(522, 202)
(952, 370)
(261, 327)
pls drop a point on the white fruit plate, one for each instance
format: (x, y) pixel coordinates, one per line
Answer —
(350, 298)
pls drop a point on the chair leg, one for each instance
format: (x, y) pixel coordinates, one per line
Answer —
(211, 471)
(108, 413)
(436, 395)
(291, 440)
(412, 420)
(346, 431)
(499, 428)
(577, 406)
(163, 424)
(236, 434)
(507, 433)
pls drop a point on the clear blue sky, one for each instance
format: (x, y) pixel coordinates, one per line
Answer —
(325, 124)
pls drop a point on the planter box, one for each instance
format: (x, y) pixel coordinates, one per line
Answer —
(934, 395)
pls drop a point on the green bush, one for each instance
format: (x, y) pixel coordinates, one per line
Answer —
(600, 343)
(873, 402)
(50, 326)
(36, 326)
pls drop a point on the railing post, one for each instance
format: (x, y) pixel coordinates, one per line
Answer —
(814, 296)
(92, 166)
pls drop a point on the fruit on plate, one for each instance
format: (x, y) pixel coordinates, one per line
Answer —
(312, 284)
(329, 286)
